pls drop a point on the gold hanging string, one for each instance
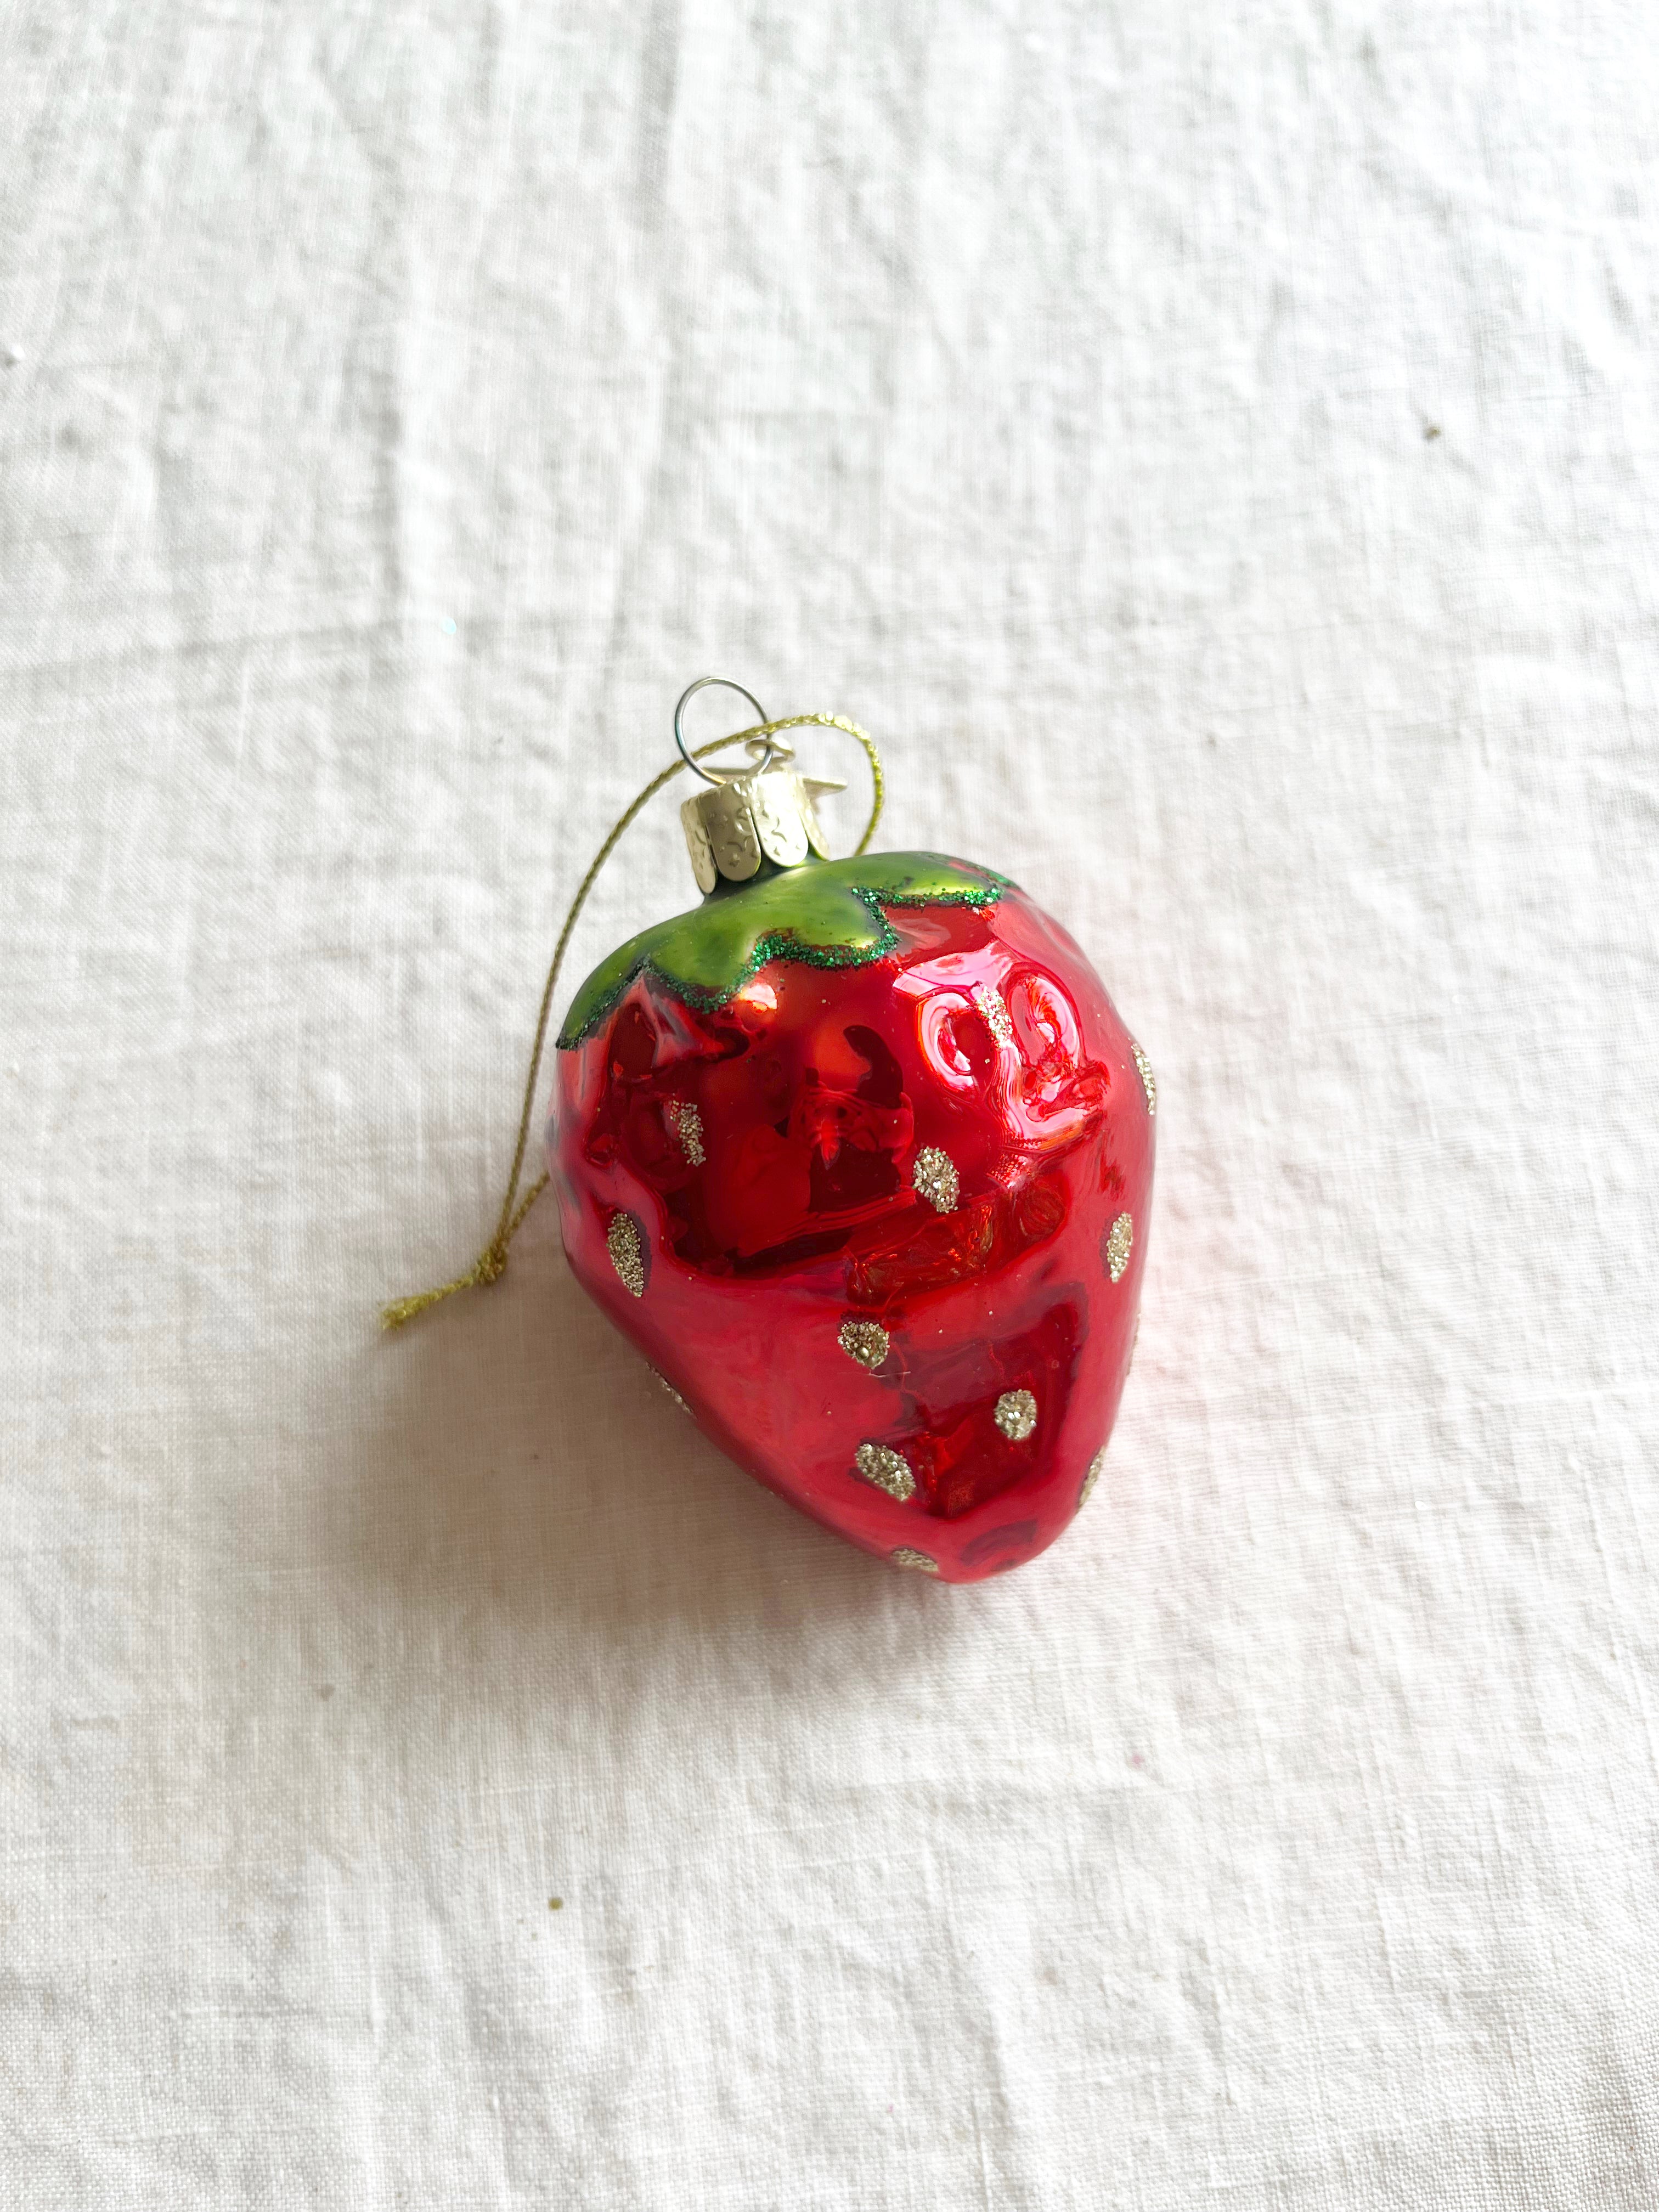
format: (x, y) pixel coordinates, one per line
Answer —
(491, 1263)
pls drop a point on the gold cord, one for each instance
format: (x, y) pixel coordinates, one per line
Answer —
(491, 1263)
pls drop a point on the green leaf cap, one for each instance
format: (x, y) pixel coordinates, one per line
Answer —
(829, 914)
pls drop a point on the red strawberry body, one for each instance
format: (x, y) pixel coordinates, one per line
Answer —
(875, 1205)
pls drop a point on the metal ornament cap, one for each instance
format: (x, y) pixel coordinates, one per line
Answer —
(731, 827)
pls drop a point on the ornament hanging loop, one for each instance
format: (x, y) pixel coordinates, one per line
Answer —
(721, 684)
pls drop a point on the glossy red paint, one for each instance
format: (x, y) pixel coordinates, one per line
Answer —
(987, 1034)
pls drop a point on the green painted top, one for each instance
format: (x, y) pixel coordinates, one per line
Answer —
(830, 913)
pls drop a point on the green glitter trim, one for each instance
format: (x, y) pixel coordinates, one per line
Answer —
(829, 914)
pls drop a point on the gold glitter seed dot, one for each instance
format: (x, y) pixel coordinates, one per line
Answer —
(880, 1464)
(1092, 1477)
(865, 1341)
(685, 1126)
(1148, 1080)
(935, 1178)
(1119, 1245)
(626, 1249)
(990, 1002)
(1016, 1415)
(904, 1557)
(671, 1391)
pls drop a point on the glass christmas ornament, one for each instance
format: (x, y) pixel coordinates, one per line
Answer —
(859, 1154)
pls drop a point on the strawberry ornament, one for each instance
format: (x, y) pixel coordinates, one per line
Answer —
(859, 1154)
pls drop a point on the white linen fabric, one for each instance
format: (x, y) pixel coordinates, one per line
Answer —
(1213, 449)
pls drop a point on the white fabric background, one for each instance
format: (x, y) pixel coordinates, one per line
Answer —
(1052, 391)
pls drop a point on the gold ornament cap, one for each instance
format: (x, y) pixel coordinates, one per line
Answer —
(766, 814)
(748, 817)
